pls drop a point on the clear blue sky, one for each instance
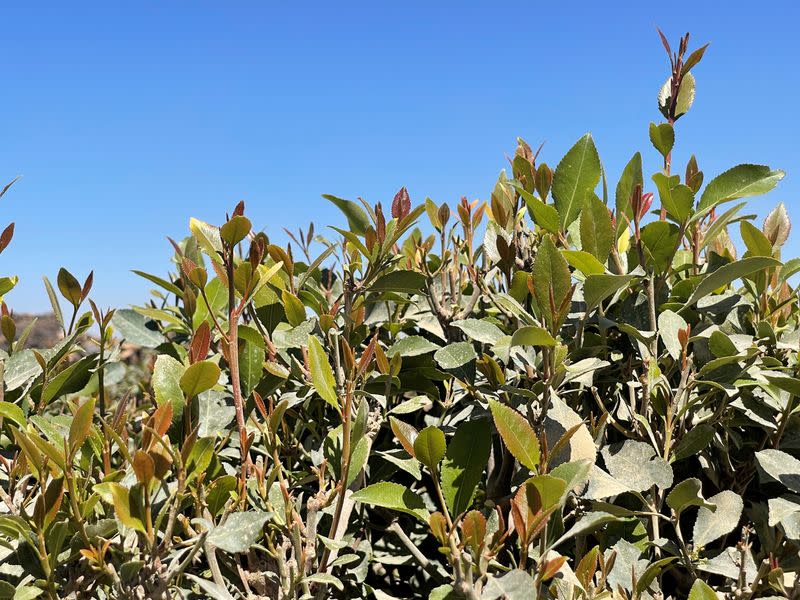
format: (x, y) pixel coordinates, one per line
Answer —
(125, 119)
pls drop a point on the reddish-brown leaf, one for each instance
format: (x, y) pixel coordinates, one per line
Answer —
(401, 205)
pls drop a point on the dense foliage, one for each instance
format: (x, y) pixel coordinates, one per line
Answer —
(552, 394)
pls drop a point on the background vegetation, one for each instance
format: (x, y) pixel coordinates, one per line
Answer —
(564, 392)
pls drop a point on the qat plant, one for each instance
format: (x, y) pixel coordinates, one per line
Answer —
(554, 394)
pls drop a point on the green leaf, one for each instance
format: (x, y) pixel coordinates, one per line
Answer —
(669, 323)
(584, 262)
(207, 237)
(295, 311)
(321, 372)
(660, 240)
(688, 492)
(357, 219)
(219, 492)
(712, 525)
(480, 330)
(586, 524)
(393, 496)
(210, 589)
(663, 137)
(685, 96)
(702, 591)
(695, 440)
(455, 355)
(514, 585)
(550, 275)
(166, 382)
(12, 412)
(463, 466)
(721, 345)
(532, 336)
(785, 383)
(442, 592)
(597, 288)
(406, 282)
(676, 198)
(781, 467)
(327, 579)
(636, 465)
(81, 425)
(729, 273)
(543, 492)
(597, 233)
(72, 379)
(742, 181)
(213, 414)
(170, 287)
(239, 532)
(69, 287)
(544, 215)
(429, 447)
(251, 361)
(235, 230)
(199, 377)
(631, 177)
(126, 505)
(756, 242)
(517, 434)
(135, 329)
(412, 345)
(576, 174)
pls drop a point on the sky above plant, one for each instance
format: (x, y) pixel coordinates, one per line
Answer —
(125, 120)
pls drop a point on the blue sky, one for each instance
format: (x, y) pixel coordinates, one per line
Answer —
(125, 119)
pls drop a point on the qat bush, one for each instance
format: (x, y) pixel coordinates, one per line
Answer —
(574, 390)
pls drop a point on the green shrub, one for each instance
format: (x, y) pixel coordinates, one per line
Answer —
(554, 394)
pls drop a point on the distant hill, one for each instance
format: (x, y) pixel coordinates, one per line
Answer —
(46, 331)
